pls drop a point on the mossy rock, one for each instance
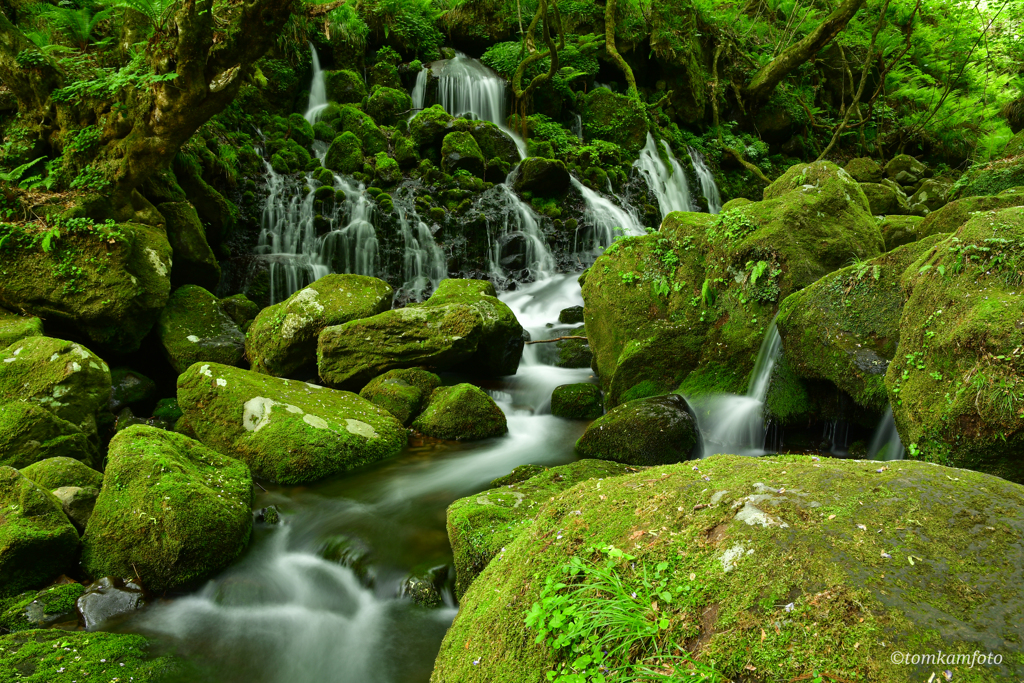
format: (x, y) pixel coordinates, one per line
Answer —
(171, 511)
(29, 434)
(54, 656)
(355, 121)
(386, 170)
(845, 328)
(128, 387)
(406, 153)
(385, 75)
(403, 393)
(766, 557)
(881, 198)
(461, 413)
(648, 365)
(167, 409)
(194, 328)
(495, 143)
(193, 259)
(571, 315)
(905, 164)
(113, 298)
(286, 431)
(900, 230)
(864, 170)
(542, 177)
(950, 217)
(991, 178)
(57, 472)
(40, 609)
(932, 194)
(952, 383)
(481, 527)
(282, 340)
(460, 152)
(574, 353)
(429, 127)
(239, 308)
(345, 155)
(37, 542)
(577, 401)
(616, 118)
(388, 106)
(647, 431)
(63, 377)
(14, 327)
(344, 87)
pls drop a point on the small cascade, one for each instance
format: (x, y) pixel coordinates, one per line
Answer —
(419, 90)
(577, 127)
(424, 263)
(668, 182)
(707, 181)
(317, 90)
(886, 444)
(603, 221)
(510, 219)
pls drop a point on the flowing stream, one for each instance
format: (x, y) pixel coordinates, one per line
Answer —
(707, 181)
(667, 181)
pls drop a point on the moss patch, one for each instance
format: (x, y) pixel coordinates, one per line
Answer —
(194, 328)
(46, 656)
(646, 431)
(461, 413)
(53, 473)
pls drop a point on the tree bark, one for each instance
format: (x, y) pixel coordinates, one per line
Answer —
(613, 52)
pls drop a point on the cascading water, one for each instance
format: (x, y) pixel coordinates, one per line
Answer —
(419, 91)
(317, 90)
(707, 181)
(886, 444)
(602, 222)
(668, 182)
(424, 263)
(510, 219)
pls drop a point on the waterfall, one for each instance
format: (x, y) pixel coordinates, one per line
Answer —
(424, 263)
(668, 182)
(511, 220)
(317, 90)
(886, 444)
(602, 218)
(419, 91)
(577, 127)
(707, 181)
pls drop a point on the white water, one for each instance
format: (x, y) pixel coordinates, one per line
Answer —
(886, 444)
(317, 90)
(509, 217)
(602, 222)
(419, 91)
(707, 181)
(668, 182)
(424, 263)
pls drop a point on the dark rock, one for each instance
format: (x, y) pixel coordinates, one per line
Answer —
(648, 431)
(128, 387)
(107, 599)
(545, 177)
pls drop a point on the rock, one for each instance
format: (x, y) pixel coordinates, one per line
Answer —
(519, 474)
(286, 431)
(14, 327)
(544, 177)
(345, 155)
(615, 118)
(720, 526)
(344, 87)
(268, 515)
(429, 127)
(50, 607)
(881, 198)
(282, 340)
(571, 315)
(402, 393)
(41, 656)
(899, 230)
(952, 396)
(352, 120)
(65, 378)
(107, 599)
(193, 328)
(461, 413)
(932, 194)
(37, 542)
(77, 503)
(577, 401)
(864, 170)
(495, 143)
(388, 106)
(128, 387)
(167, 409)
(171, 511)
(29, 434)
(574, 353)
(386, 170)
(950, 217)
(422, 591)
(240, 309)
(460, 152)
(115, 305)
(193, 259)
(53, 473)
(912, 169)
(482, 526)
(647, 431)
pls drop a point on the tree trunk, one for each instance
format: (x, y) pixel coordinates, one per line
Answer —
(613, 52)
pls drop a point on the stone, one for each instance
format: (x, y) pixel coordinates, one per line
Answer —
(403, 393)
(53, 473)
(345, 155)
(286, 431)
(647, 431)
(388, 106)
(108, 599)
(171, 511)
(352, 120)
(540, 176)
(616, 118)
(193, 328)
(577, 401)
(881, 198)
(932, 194)
(129, 387)
(950, 217)
(14, 327)
(571, 315)
(29, 434)
(52, 607)
(900, 230)
(77, 503)
(495, 143)
(460, 152)
(193, 260)
(864, 170)
(906, 164)
(461, 413)
(429, 127)
(344, 87)
(240, 309)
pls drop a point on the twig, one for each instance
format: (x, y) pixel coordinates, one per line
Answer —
(548, 341)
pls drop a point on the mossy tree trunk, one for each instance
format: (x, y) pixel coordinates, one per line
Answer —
(24, 69)
(613, 52)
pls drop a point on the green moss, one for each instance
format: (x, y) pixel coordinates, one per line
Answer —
(193, 328)
(577, 401)
(495, 143)
(951, 216)
(616, 118)
(240, 309)
(461, 413)
(574, 353)
(647, 431)
(53, 473)
(429, 127)
(900, 230)
(352, 120)
(546, 178)
(388, 106)
(864, 170)
(991, 178)
(344, 87)
(167, 409)
(38, 610)
(30, 433)
(460, 152)
(171, 511)
(387, 172)
(14, 327)
(394, 395)
(50, 656)
(345, 155)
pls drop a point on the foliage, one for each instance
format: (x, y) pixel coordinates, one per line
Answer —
(76, 23)
(136, 74)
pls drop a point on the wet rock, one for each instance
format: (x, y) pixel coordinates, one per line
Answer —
(47, 608)
(461, 413)
(77, 503)
(429, 127)
(193, 328)
(422, 591)
(616, 118)
(395, 395)
(128, 387)
(577, 401)
(647, 431)
(171, 511)
(495, 143)
(268, 515)
(193, 260)
(571, 315)
(107, 599)
(864, 170)
(286, 431)
(349, 119)
(543, 177)
(29, 433)
(460, 152)
(574, 353)
(54, 473)
(345, 155)
(344, 87)
(14, 327)
(167, 410)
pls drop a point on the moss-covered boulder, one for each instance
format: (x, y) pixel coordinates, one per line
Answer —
(954, 383)
(991, 178)
(113, 295)
(864, 170)
(950, 217)
(429, 127)
(344, 87)
(355, 121)
(461, 413)
(764, 557)
(932, 194)
(845, 328)
(37, 542)
(282, 340)
(239, 308)
(577, 401)
(540, 176)
(386, 171)
(481, 527)
(460, 152)
(77, 502)
(63, 377)
(345, 155)
(30, 433)
(53, 473)
(55, 656)
(286, 431)
(646, 431)
(40, 609)
(14, 327)
(905, 169)
(193, 259)
(495, 143)
(193, 328)
(616, 118)
(900, 230)
(403, 393)
(881, 198)
(388, 106)
(129, 387)
(171, 511)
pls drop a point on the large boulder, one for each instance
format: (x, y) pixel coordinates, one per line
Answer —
(991, 178)
(54, 473)
(403, 393)
(282, 339)
(14, 327)
(286, 431)
(616, 118)
(50, 607)
(388, 106)
(108, 283)
(950, 217)
(460, 152)
(37, 542)
(344, 87)
(193, 328)
(30, 433)
(57, 656)
(762, 557)
(461, 413)
(194, 262)
(864, 170)
(482, 526)
(954, 385)
(63, 377)
(649, 431)
(171, 511)
(540, 176)
(345, 155)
